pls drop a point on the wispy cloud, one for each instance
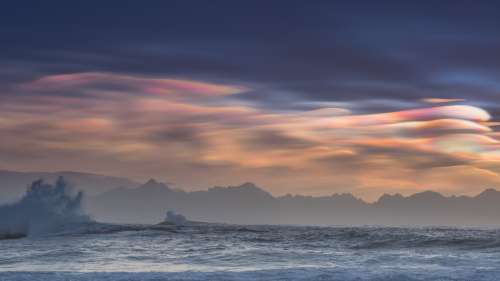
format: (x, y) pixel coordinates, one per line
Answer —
(169, 127)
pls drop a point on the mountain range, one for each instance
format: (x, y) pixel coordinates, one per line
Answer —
(249, 204)
(120, 200)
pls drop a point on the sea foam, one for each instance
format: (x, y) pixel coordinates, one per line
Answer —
(42, 209)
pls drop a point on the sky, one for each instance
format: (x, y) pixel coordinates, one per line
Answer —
(300, 97)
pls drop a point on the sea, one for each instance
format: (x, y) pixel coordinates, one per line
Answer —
(98, 251)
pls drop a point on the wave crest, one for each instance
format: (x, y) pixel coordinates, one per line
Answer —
(43, 208)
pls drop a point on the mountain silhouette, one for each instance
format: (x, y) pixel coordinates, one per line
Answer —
(250, 204)
(121, 200)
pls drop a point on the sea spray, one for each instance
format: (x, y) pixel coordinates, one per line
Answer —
(44, 208)
(176, 219)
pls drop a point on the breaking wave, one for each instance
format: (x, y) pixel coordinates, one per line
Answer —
(43, 209)
(176, 219)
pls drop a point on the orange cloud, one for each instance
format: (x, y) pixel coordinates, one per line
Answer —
(124, 124)
(465, 112)
(441, 100)
(102, 82)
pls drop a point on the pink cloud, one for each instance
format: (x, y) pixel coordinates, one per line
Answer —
(166, 124)
(91, 82)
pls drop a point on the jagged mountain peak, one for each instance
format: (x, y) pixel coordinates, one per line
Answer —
(153, 184)
(248, 185)
(426, 195)
(247, 188)
(151, 181)
(345, 196)
(386, 198)
(488, 193)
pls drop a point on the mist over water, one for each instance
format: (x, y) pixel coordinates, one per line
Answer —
(44, 208)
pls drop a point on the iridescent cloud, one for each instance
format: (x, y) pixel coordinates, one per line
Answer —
(96, 82)
(195, 134)
(441, 100)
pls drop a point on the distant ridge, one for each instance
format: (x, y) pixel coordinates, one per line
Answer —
(250, 204)
(122, 200)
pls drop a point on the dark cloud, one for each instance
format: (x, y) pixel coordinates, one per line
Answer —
(381, 157)
(414, 158)
(273, 139)
(287, 51)
(180, 134)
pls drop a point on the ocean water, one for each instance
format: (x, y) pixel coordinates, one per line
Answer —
(94, 251)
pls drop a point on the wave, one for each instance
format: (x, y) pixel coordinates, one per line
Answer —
(362, 238)
(387, 238)
(43, 208)
(303, 274)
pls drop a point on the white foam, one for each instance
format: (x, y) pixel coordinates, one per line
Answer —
(43, 208)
